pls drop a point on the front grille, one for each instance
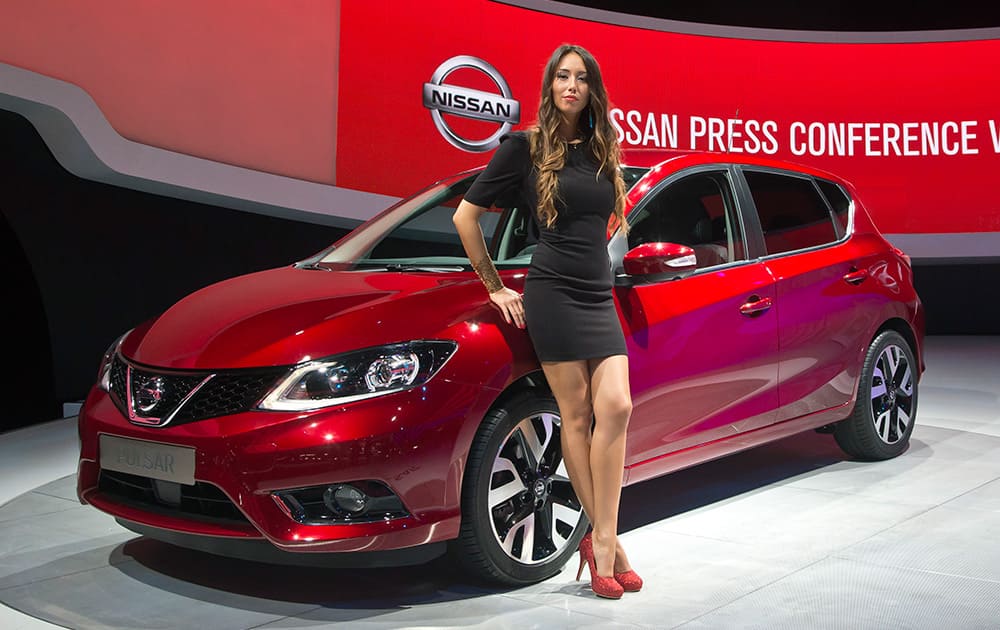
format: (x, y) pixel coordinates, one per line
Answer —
(166, 398)
(119, 369)
(201, 502)
(175, 389)
(227, 393)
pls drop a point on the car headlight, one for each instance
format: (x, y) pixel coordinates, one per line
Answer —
(104, 373)
(358, 375)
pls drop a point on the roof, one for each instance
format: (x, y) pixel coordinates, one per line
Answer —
(679, 158)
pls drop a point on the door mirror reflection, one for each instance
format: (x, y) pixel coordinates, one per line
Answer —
(659, 258)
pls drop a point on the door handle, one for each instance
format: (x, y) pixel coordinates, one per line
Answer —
(855, 276)
(755, 305)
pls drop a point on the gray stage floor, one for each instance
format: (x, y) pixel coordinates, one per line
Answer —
(789, 535)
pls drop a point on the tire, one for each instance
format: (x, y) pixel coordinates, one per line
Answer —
(882, 420)
(521, 520)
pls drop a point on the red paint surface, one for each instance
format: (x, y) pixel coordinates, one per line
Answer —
(249, 84)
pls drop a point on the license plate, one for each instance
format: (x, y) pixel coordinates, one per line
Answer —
(148, 459)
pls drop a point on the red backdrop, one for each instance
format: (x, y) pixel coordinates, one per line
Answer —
(331, 91)
(389, 50)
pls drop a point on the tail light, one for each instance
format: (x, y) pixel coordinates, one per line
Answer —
(905, 257)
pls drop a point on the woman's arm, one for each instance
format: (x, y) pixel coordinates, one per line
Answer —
(466, 221)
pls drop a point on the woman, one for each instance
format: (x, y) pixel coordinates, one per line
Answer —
(567, 168)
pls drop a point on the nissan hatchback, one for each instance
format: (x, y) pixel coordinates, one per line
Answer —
(368, 406)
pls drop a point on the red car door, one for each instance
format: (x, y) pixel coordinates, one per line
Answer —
(702, 348)
(824, 309)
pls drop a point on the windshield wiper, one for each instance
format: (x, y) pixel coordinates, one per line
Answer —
(312, 266)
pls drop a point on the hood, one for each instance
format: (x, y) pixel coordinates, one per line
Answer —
(289, 315)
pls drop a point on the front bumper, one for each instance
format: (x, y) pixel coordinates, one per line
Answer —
(415, 442)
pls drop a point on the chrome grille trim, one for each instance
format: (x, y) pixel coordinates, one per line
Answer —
(135, 418)
(188, 395)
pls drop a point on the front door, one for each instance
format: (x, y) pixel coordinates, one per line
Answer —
(702, 348)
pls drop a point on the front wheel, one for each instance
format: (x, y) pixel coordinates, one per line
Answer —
(521, 520)
(882, 420)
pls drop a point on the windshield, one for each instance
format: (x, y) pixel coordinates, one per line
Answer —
(418, 231)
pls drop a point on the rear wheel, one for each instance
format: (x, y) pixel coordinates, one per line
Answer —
(882, 420)
(521, 520)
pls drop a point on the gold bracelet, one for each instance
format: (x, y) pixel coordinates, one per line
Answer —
(487, 272)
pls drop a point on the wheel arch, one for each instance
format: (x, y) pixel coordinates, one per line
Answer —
(855, 434)
(493, 558)
(901, 326)
(531, 381)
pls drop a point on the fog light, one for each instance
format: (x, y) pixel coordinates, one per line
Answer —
(359, 501)
(345, 499)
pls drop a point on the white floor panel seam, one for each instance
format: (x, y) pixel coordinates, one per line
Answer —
(272, 622)
(952, 428)
(800, 484)
(753, 591)
(43, 580)
(562, 606)
(667, 529)
(887, 528)
(56, 496)
(902, 567)
(979, 487)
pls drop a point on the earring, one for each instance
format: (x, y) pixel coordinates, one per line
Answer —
(591, 112)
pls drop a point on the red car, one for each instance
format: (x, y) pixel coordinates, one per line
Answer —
(368, 406)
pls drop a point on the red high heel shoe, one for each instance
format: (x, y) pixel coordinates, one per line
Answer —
(602, 586)
(630, 581)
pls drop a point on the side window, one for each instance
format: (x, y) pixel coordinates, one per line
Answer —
(430, 235)
(793, 215)
(839, 201)
(515, 240)
(697, 211)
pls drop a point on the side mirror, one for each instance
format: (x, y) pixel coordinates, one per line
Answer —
(659, 258)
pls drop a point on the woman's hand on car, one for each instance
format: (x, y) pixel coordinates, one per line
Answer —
(510, 304)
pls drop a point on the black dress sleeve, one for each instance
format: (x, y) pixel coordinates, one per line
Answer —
(506, 170)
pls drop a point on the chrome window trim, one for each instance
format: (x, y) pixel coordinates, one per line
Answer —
(812, 179)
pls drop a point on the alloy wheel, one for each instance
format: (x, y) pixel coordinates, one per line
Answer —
(533, 509)
(892, 394)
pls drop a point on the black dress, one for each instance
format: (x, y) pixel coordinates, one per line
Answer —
(568, 304)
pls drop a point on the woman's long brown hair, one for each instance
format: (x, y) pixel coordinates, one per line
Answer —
(548, 151)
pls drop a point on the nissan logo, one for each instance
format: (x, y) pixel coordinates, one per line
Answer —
(150, 394)
(468, 103)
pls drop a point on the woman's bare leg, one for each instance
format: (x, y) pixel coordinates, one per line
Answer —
(570, 382)
(612, 405)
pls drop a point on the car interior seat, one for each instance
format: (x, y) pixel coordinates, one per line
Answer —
(682, 218)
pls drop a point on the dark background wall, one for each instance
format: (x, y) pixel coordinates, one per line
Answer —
(83, 262)
(82, 265)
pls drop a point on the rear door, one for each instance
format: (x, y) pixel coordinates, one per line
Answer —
(822, 287)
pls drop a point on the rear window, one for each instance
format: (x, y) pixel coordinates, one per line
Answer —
(793, 214)
(839, 201)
